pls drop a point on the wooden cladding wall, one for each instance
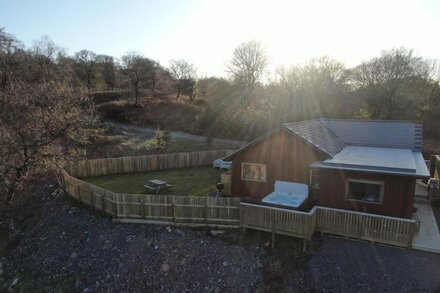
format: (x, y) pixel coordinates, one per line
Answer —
(286, 157)
(122, 165)
(397, 200)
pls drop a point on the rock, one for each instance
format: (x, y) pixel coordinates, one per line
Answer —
(13, 284)
(168, 229)
(216, 232)
(73, 255)
(164, 268)
(129, 239)
(226, 263)
(180, 232)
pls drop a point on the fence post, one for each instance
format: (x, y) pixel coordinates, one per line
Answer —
(103, 203)
(361, 226)
(174, 211)
(206, 213)
(79, 193)
(240, 216)
(144, 210)
(411, 235)
(92, 198)
(273, 222)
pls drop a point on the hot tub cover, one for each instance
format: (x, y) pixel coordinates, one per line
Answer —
(288, 194)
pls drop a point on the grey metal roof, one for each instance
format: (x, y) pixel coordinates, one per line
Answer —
(377, 160)
(332, 136)
(384, 133)
(315, 133)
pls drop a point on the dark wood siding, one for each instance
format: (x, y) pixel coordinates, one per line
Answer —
(398, 193)
(286, 157)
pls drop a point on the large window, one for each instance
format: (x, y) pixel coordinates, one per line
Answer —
(365, 190)
(253, 172)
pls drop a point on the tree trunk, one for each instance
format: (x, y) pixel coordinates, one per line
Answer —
(136, 93)
(178, 92)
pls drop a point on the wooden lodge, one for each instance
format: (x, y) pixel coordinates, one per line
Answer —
(365, 166)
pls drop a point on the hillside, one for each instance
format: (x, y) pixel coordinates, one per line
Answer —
(156, 110)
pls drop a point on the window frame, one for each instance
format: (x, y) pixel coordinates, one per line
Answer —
(377, 182)
(255, 180)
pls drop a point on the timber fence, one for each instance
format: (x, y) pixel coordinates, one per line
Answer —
(156, 207)
(222, 211)
(136, 164)
(147, 207)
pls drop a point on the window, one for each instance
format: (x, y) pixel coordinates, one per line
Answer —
(253, 172)
(365, 190)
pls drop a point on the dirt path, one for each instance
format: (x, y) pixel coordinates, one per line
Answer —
(149, 132)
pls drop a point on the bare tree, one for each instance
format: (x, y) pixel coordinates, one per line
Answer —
(184, 73)
(11, 55)
(46, 53)
(384, 82)
(41, 126)
(107, 66)
(316, 88)
(85, 61)
(249, 61)
(138, 69)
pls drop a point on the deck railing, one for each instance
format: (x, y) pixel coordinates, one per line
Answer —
(375, 228)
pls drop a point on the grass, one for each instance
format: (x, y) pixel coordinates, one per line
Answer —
(186, 181)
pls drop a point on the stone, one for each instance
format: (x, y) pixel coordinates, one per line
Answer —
(165, 267)
(216, 232)
(13, 284)
(180, 232)
(225, 263)
(73, 255)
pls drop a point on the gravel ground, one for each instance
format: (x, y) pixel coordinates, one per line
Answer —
(341, 265)
(73, 249)
(66, 247)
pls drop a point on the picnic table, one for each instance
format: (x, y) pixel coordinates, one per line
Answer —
(157, 185)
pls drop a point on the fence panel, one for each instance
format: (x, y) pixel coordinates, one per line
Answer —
(134, 164)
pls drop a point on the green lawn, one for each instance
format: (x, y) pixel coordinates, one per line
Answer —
(185, 181)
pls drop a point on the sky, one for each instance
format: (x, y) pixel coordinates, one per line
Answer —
(205, 33)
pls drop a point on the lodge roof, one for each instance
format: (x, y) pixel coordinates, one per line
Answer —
(332, 135)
